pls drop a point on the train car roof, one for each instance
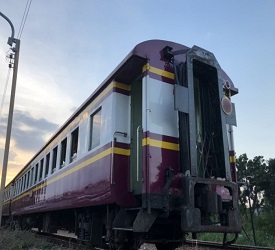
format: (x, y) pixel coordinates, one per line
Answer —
(125, 73)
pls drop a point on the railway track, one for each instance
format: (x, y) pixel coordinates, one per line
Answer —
(65, 242)
(215, 245)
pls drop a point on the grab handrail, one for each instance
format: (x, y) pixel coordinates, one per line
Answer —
(139, 128)
(113, 146)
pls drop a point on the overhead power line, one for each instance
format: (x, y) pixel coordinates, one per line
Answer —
(24, 18)
(5, 90)
(21, 28)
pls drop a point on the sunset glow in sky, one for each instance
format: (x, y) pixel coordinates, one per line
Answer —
(69, 47)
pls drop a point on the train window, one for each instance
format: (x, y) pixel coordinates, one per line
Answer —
(15, 188)
(63, 153)
(36, 173)
(18, 189)
(31, 176)
(41, 169)
(74, 144)
(27, 180)
(23, 183)
(54, 159)
(18, 186)
(47, 165)
(95, 126)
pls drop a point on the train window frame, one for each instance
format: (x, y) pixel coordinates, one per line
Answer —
(74, 144)
(15, 188)
(95, 128)
(47, 164)
(54, 158)
(19, 184)
(36, 173)
(31, 176)
(41, 169)
(24, 183)
(18, 187)
(63, 152)
(27, 185)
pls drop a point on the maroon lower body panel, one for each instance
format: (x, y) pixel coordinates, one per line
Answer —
(77, 186)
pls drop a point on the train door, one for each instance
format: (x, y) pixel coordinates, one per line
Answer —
(136, 137)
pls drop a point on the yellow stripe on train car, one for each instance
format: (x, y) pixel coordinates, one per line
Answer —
(158, 71)
(160, 144)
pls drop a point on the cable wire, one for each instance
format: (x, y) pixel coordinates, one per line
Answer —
(5, 90)
(22, 25)
(24, 18)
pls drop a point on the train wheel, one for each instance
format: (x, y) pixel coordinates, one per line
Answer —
(134, 241)
(166, 246)
(125, 241)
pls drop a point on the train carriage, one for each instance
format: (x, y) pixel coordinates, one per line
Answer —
(148, 157)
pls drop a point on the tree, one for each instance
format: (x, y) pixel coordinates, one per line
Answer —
(257, 185)
(253, 175)
(269, 185)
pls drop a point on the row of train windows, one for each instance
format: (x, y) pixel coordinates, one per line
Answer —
(43, 167)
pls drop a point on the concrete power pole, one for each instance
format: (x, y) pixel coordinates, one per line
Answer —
(15, 49)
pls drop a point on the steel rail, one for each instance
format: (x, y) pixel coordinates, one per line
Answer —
(216, 245)
(73, 243)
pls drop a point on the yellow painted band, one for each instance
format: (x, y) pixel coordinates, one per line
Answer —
(93, 159)
(112, 85)
(121, 86)
(160, 144)
(122, 151)
(232, 159)
(158, 71)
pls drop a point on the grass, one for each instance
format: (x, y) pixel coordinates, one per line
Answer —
(245, 238)
(15, 240)
(264, 226)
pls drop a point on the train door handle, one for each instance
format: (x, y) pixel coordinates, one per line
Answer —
(139, 128)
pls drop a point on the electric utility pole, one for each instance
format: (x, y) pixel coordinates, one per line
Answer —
(14, 64)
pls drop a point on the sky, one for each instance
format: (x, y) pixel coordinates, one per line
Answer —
(69, 47)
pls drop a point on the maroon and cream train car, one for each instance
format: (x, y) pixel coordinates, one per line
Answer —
(148, 157)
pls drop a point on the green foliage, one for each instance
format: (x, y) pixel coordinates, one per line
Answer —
(264, 230)
(14, 240)
(257, 200)
(270, 185)
(258, 183)
(253, 176)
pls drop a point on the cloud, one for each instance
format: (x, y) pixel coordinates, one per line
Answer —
(27, 131)
(28, 135)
